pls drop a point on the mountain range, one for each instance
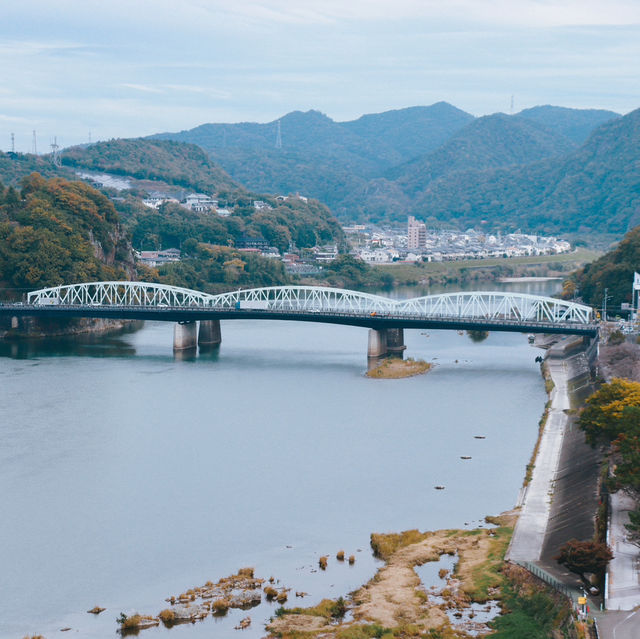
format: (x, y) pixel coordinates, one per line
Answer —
(545, 169)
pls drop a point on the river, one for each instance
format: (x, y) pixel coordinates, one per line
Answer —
(128, 475)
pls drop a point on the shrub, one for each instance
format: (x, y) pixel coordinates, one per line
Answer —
(340, 555)
(270, 592)
(322, 562)
(615, 338)
(167, 616)
(282, 597)
(129, 623)
(220, 607)
(246, 572)
(352, 559)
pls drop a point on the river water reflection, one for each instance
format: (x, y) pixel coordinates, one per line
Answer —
(128, 475)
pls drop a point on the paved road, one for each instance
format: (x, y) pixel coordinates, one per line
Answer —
(623, 592)
(619, 625)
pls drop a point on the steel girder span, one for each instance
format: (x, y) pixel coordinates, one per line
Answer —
(491, 305)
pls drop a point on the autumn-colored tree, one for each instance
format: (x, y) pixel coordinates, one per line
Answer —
(604, 417)
(584, 556)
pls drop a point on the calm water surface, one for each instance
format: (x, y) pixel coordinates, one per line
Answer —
(127, 475)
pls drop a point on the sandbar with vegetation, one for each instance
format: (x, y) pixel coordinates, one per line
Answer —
(394, 604)
(394, 368)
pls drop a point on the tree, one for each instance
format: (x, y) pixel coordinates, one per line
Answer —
(585, 556)
(604, 418)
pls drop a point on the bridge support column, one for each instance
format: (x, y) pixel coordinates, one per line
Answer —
(395, 341)
(377, 343)
(209, 333)
(185, 336)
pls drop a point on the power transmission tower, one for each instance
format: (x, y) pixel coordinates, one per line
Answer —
(55, 152)
(278, 137)
(35, 144)
(13, 143)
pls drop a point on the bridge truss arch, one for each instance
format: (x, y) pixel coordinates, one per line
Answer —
(491, 306)
(119, 294)
(307, 298)
(497, 305)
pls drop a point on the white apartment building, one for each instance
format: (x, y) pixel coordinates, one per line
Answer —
(416, 234)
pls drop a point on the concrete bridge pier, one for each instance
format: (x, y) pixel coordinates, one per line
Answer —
(209, 333)
(377, 343)
(395, 341)
(185, 336)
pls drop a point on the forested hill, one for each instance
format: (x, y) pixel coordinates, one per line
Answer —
(53, 231)
(489, 142)
(321, 158)
(56, 232)
(184, 165)
(594, 189)
(575, 124)
(613, 271)
(436, 162)
(179, 167)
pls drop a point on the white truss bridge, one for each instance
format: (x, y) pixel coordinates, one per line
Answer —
(316, 303)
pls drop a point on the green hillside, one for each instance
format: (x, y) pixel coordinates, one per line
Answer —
(489, 142)
(613, 271)
(575, 124)
(182, 165)
(305, 223)
(594, 189)
(436, 162)
(327, 160)
(57, 232)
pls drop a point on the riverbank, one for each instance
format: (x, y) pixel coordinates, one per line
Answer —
(25, 328)
(490, 270)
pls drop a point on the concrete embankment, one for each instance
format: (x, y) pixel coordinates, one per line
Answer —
(560, 501)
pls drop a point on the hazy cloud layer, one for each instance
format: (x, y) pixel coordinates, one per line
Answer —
(134, 67)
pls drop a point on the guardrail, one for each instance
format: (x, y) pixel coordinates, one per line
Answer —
(543, 575)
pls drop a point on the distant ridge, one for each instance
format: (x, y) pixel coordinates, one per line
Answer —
(575, 124)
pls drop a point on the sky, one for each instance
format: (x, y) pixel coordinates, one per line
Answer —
(87, 69)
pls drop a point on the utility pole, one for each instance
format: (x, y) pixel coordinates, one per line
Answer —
(604, 305)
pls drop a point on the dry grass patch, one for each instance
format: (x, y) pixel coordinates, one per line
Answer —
(386, 544)
(394, 368)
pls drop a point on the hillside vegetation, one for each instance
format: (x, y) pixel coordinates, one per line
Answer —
(594, 189)
(57, 232)
(547, 169)
(183, 165)
(613, 271)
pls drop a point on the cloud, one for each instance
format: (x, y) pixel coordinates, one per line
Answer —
(521, 13)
